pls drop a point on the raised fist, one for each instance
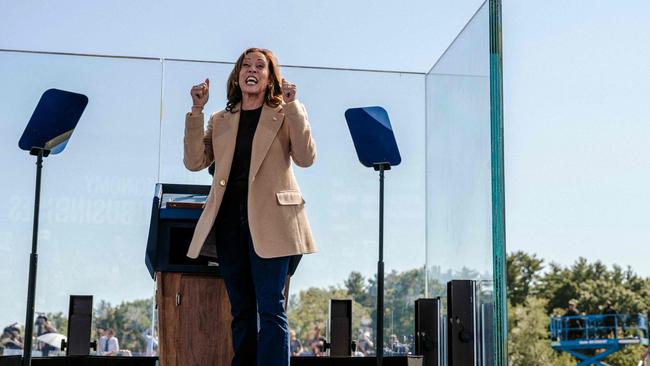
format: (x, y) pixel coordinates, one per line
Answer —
(288, 91)
(200, 93)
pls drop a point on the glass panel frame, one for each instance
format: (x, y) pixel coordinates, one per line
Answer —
(465, 177)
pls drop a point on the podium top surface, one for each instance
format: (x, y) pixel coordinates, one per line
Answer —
(181, 206)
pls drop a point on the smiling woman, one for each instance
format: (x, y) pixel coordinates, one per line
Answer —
(255, 72)
(254, 220)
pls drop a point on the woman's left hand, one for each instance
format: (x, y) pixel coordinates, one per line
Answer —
(288, 91)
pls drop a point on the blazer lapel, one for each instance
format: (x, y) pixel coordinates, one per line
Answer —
(224, 136)
(268, 126)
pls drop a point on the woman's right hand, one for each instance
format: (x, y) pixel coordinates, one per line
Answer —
(200, 94)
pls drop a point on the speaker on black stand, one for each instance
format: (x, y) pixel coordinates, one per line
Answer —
(461, 328)
(427, 330)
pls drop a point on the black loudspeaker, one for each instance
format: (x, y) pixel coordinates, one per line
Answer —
(427, 330)
(461, 327)
(340, 327)
(80, 315)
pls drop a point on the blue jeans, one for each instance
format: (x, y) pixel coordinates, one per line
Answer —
(255, 287)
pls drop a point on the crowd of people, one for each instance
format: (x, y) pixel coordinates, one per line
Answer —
(44, 326)
(316, 345)
(12, 343)
(108, 344)
(609, 323)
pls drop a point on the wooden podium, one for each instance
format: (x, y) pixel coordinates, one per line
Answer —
(194, 320)
(193, 307)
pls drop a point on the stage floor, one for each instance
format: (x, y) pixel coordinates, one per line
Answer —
(151, 361)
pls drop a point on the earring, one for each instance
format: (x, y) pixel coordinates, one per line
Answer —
(236, 83)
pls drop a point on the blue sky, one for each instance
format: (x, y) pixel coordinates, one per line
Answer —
(577, 127)
(362, 34)
(576, 91)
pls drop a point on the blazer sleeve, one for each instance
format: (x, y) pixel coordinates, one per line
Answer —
(303, 147)
(197, 143)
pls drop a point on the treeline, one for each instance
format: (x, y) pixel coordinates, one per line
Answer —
(130, 321)
(309, 308)
(537, 291)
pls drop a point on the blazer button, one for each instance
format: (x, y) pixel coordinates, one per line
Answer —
(222, 182)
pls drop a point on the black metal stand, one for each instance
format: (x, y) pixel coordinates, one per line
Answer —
(381, 167)
(33, 259)
(376, 147)
(48, 130)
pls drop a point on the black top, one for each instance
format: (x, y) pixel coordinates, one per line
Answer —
(234, 198)
(237, 188)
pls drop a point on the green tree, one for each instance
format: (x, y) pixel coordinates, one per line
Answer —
(310, 308)
(591, 284)
(523, 272)
(401, 289)
(58, 321)
(357, 287)
(528, 338)
(628, 356)
(129, 320)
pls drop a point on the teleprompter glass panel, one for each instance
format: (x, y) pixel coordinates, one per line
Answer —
(96, 195)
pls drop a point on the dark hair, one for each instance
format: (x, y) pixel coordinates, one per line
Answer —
(273, 94)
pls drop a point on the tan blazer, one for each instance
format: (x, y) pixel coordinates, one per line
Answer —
(276, 208)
